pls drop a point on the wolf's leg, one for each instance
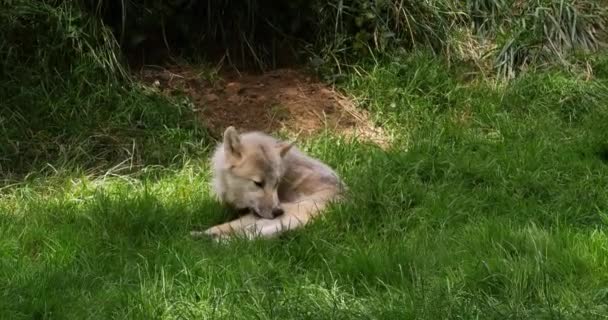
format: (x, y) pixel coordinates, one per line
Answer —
(297, 214)
(228, 228)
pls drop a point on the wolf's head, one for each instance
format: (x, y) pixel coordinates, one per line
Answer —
(255, 168)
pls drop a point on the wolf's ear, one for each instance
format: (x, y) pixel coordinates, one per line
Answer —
(232, 142)
(284, 147)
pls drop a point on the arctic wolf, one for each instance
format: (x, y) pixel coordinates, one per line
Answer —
(281, 187)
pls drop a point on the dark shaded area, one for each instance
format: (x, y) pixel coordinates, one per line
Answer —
(602, 152)
(107, 242)
(260, 34)
(264, 35)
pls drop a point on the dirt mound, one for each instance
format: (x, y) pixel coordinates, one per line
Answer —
(286, 99)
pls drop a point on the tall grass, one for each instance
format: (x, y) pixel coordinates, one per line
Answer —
(39, 38)
(547, 31)
(66, 100)
(514, 34)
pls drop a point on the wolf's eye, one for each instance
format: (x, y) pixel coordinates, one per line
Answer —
(259, 183)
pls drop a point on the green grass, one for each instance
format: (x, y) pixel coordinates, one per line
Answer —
(491, 204)
(67, 103)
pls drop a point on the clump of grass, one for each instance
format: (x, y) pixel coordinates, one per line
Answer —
(383, 25)
(529, 33)
(42, 38)
(508, 36)
(351, 31)
(66, 100)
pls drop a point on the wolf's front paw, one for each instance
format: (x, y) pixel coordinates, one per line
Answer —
(213, 233)
(202, 234)
(197, 234)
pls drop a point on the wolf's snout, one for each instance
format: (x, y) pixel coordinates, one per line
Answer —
(277, 212)
(269, 213)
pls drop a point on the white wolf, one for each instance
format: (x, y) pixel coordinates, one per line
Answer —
(282, 188)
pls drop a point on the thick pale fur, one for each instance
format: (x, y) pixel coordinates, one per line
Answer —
(281, 186)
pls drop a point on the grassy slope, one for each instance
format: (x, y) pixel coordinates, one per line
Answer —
(492, 204)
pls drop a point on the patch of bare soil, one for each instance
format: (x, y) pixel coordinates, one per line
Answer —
(285, 100)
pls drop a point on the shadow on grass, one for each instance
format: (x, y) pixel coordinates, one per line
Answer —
(112, 129)
(58, 258)
(66, 101)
